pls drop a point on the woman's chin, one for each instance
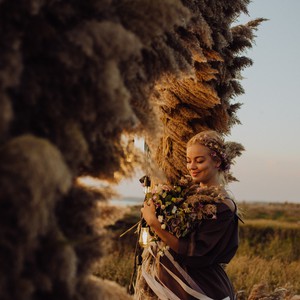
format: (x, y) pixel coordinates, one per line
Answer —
(196, 179)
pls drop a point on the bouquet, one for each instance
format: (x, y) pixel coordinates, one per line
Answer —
(181, 207)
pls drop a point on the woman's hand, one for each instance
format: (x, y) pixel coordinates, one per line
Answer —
(149, 216)
(148, 212)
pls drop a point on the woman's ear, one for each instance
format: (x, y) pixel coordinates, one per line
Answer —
(218, 164)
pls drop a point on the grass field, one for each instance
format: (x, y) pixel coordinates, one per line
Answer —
(269, 251)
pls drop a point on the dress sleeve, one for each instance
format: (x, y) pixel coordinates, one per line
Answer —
(210, 241)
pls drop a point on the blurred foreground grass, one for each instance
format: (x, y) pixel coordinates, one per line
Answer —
(269, 251)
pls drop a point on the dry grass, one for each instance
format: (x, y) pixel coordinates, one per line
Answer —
(246, 271)
(268, 256)
(116, 266)
(275, 224)
(285, 212)
(270, 240)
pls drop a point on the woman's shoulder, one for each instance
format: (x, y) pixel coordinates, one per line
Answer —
(228, 207)
(228, 201)
(229, 204)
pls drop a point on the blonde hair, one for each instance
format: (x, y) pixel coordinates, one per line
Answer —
(216, 144)
(225, 152)
(213, 135)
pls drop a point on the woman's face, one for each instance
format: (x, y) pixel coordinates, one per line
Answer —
(201, 166)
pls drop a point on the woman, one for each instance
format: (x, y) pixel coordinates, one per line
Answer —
(193, 268)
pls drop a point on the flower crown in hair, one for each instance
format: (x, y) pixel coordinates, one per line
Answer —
(217, 151)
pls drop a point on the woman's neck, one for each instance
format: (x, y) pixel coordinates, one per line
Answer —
(202, 184)
(214, 182)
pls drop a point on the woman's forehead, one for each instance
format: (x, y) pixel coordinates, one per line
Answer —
(196, 150)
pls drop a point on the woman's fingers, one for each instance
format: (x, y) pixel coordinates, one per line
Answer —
(148, 202)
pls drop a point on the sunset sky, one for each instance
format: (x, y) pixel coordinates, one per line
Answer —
(269, 169)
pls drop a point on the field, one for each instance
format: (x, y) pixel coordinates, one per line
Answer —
(269, 252)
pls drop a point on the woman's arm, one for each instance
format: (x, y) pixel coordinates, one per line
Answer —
(169, 239)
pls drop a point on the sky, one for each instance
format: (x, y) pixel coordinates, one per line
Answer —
(269, 169)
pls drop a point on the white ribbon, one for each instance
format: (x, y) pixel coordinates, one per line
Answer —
(185, 275)
(160, 289)
(151, 277)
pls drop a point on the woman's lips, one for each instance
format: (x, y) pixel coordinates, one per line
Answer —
(194, 174)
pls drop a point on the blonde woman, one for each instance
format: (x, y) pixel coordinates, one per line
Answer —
(193, 267)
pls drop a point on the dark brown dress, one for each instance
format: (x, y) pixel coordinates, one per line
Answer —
(202, 255)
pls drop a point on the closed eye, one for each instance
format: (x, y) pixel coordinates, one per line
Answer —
(197, 162)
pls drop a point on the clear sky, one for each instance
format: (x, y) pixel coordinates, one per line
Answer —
(269, 169)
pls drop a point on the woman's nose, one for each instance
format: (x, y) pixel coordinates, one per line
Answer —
(193, 165)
